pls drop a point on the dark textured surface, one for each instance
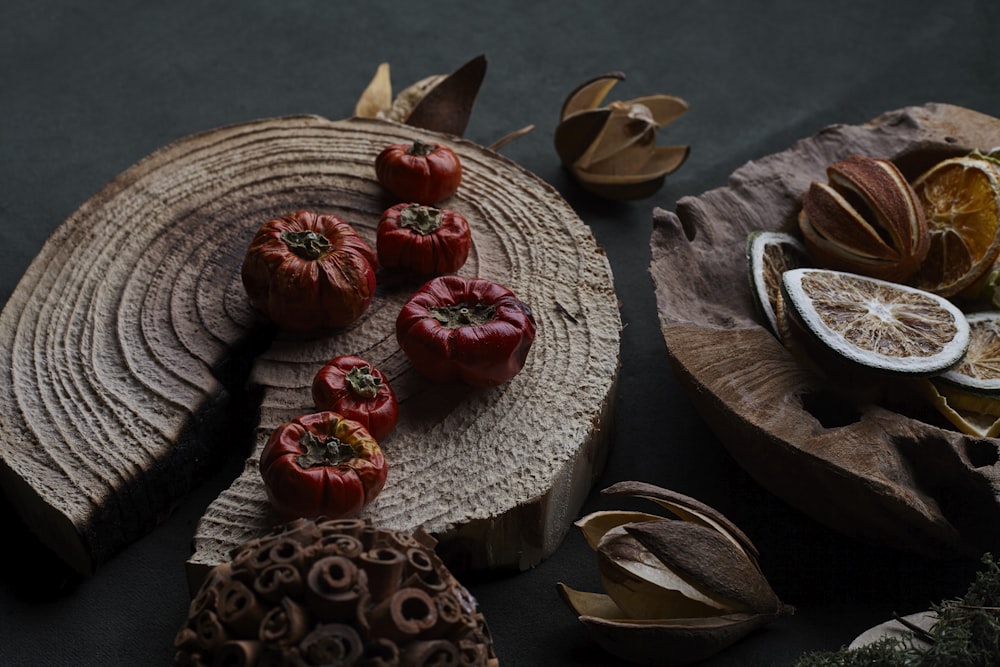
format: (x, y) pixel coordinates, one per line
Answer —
(88, 89)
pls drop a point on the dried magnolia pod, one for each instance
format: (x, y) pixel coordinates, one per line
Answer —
(866, 220)
(677, 590)
(611, 150)
(332, 592)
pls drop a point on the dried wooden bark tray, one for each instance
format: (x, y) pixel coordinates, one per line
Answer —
(871, 472)
(127, 341)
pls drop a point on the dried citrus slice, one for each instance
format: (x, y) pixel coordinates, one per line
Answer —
(979, 370)
(971, 414)
(961, 201)
(769, 254)
(877, 324)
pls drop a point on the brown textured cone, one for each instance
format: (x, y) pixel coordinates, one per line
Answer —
(709, 561)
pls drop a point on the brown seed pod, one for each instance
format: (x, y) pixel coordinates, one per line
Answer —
(676, 590)
(866, 220)
(611, 150)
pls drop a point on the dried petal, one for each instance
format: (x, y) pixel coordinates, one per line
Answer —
(447, 106)
(666, 643)
(596, 524)
(710, 562)
(577, 132)
(640, 161)
(643, 586)
(630, 123)
(685, 507)
(589, 94)
(598, 605)
(377, 97)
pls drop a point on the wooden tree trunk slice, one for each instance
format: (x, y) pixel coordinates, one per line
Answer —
(871, 472)
(122, 343)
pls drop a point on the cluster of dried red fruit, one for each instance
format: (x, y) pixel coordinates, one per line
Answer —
(313, 273)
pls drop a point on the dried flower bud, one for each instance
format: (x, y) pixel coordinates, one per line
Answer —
(676, 590)
(334, 592)
(611, 150)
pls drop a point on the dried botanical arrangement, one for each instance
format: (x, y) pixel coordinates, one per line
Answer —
(678, 590)
(611, 150)
(334, 591)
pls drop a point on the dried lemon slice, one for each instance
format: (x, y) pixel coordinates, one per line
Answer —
(979, 370)
(769, 254)
(961, 201)
(877, 324)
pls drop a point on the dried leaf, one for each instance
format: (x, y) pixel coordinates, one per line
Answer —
(685, 507)
(377, 97)
(709, 561)
(447, 106)
(590, 94)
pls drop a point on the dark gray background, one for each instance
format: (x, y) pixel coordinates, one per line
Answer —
(89, 88)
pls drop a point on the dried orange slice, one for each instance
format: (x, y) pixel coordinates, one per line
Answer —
(769, 254)
(880, 325)
(961, 201)
(979, 370)
(970, 413)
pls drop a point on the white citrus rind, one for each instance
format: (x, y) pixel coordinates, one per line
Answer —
(957, 377)
(757, 243)
(938, 361)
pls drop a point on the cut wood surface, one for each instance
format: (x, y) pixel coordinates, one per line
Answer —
(900, 480)
(129, 335)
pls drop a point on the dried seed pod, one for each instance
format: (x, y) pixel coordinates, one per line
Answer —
(612, 150)
(677, 590)
(441, 102)
(358, 595)
(866, 220)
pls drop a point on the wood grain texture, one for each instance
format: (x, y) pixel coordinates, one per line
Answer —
(899, 480)
(124, 341)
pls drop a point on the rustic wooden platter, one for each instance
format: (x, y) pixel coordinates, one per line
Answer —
(873, 473)
(128, 348)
